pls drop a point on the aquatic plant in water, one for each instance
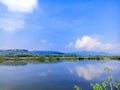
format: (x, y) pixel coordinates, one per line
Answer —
(108, 84)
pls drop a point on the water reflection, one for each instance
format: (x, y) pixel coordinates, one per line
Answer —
(54, 75)
(25, 62)
(95, 69)
(14, 63)
(88, 72)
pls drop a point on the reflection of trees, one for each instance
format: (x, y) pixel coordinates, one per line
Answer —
(25, 62)
(41, 61)
(14, 63)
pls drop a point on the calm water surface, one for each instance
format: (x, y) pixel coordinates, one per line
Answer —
(61, 75)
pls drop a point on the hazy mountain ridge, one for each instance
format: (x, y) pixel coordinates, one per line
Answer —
(24, 52)
(46, 52)
(14, 52)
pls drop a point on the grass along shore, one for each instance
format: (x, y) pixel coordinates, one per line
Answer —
(56, 57)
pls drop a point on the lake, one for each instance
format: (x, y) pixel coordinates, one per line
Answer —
(55, 75)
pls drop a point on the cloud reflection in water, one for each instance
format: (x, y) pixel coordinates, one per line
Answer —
(94, 70)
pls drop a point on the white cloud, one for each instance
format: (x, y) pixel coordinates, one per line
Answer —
(24, 6)
(13, 19)
(89, 43)
(45, 44)
(70, 44)
(43, 41)
(9, 24)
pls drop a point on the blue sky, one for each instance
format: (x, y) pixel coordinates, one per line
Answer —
(60, 25)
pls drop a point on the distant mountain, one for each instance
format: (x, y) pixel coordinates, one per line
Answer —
(24, 52)
(82, 53)
(46, 52)
(88, 53)
(14, 52)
